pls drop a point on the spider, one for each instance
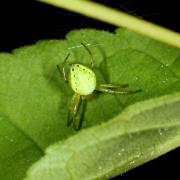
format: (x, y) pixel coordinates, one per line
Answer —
(82, 80)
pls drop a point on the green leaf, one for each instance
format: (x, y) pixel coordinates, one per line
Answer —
(34, 99)
(17, 150)
(142, 132)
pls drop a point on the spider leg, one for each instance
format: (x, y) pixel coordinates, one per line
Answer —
(112, 86)
(90, 53)
(77, 124)
(62, 70)
(73, 108)
(117, 90)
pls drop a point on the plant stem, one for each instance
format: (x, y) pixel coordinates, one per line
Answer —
(119, 19)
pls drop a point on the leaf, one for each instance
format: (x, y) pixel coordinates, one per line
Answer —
(143, 131)
(17, 150)
(34, 99)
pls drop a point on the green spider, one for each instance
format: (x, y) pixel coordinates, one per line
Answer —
(82, 80)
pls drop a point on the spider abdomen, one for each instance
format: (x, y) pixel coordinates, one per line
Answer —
(82, 79)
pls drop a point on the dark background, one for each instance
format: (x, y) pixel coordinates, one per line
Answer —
(25, 22)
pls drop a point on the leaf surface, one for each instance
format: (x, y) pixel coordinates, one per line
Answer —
(143, 131)
(34, 99)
